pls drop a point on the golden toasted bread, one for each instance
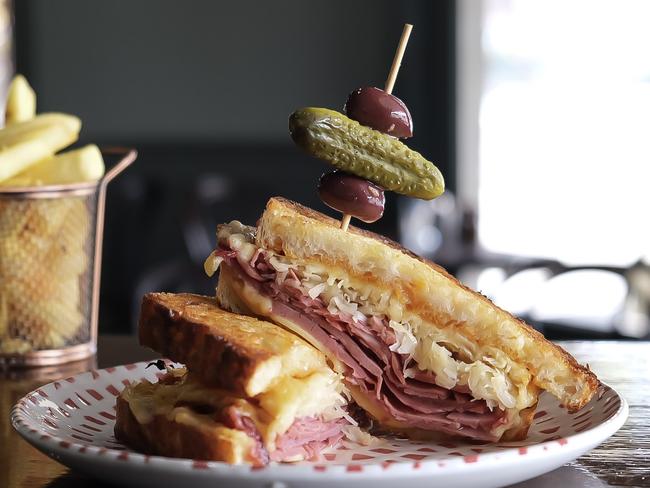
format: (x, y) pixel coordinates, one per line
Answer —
(180, 416)
(465, 322)
(234, 352)
(167, 437)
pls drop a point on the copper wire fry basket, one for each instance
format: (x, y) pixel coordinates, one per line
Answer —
(50, 268)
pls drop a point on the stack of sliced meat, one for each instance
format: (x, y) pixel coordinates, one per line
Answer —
(363, 345)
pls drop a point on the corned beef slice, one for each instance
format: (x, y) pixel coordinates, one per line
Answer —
(364, 347)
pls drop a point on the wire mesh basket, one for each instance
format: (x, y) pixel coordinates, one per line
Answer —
(50, 266)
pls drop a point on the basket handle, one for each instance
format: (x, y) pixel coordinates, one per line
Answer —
(127, 157)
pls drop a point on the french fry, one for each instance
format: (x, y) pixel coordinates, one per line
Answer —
(44, 243)
(31, 146)
(21, 101)
(30, 129)
(76, 166)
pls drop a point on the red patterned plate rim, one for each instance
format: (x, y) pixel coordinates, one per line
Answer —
(84, 399)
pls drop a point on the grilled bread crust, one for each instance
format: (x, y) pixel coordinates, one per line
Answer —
(166, 437)
(234, 352)
(425, 289)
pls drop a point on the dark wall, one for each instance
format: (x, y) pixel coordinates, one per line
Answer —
(203, 89)
(152, 70)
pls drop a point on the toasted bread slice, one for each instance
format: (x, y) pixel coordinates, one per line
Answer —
(167, 437)
(233, 352)
(180, 416)
(466, 322)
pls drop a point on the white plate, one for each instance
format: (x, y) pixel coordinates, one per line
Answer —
(72, 421)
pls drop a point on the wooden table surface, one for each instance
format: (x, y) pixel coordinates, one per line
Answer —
(623, 460)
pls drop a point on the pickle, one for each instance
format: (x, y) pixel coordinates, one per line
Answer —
(365, 152)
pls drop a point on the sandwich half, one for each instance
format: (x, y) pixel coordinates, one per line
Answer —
(421, 353)
(250, 391)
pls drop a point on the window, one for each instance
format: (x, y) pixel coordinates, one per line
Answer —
(554, 127)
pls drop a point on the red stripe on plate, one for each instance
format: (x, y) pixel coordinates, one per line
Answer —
(82, 432)
(471, 458)
(582, 414)
(547, 419)
(415, 457)
(383, 450)
(94, 420)
(95, 394)
(112, 390)
(81, 438)
(82, 399)
(70, 403)
(107, 415)
(361, 457)
(198, 464)
(354, 468)
(584, 427)
(448, 445)
(90, 427)
(50, 423)
(426, 449)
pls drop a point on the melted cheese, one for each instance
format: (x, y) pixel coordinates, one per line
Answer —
(273, 412)
(491, 375)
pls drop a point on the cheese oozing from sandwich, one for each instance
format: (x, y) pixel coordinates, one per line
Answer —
(292, 417)
(425, 353)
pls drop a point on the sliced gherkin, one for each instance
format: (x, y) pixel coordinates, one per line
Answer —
(365, 152)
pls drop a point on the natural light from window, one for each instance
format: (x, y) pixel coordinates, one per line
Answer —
(564, 130)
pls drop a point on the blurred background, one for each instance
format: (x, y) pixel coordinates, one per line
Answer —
(537, 113)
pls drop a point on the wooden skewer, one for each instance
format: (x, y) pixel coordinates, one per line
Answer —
(388, 88)
(345, 222)
(397, 60)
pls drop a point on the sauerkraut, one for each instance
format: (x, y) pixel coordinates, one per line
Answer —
(494, 377)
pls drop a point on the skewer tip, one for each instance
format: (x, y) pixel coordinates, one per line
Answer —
(345, 222)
